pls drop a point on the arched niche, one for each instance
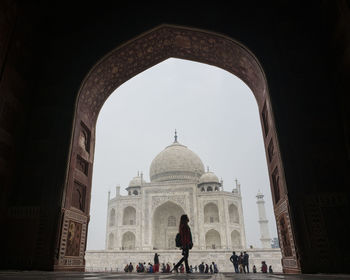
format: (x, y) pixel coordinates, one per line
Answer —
(129, 216)
(233, 213)
(211, 213)
(141, 53)
(110, 241)
(163, 235)
(212, 239)
(236, 240)
(112, 217)
(171, 221)
(128, 241)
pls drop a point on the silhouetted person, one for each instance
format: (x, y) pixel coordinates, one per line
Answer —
(206, 268)
(211, 268)
(201, 267)
(240, 263)
(156, 263)
(186, 242)
(263, 267)
(254, 268)
(131, 267)
(215, 267)
(246, 262)
(234, 260)
(270, 269)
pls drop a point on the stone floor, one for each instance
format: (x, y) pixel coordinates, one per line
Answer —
(16, 275)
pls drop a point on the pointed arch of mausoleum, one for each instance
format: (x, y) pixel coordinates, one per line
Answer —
(112, 217)
(163, 235)
(233, 213)
(211, 213)
(212, 239)
(236, 240)
(128, 241)
(110, 245)
(129, 215)
(135, 56)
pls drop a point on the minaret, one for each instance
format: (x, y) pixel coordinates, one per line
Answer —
(264, 230)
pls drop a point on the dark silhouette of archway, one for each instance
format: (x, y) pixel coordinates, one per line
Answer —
(137, 55)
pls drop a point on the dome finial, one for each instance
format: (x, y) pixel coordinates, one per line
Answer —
(175, 137)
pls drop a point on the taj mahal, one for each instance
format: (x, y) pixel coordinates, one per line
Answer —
(146, 220)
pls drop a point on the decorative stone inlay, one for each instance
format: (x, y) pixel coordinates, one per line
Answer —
(159, 44)
(177, 199)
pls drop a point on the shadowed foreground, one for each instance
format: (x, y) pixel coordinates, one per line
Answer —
(105, 275)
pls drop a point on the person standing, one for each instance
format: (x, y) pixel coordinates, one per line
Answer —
(206, 268)
(263, 267)
(246, 262)
(254, 268)
(215, 267)
(234, 260)
(186, 242)
(240, 263)
(156, 263)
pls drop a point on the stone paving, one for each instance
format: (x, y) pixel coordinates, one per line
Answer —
(31, 275)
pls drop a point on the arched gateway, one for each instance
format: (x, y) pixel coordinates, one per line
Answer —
(122, 64)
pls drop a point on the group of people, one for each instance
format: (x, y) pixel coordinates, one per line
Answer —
(240, 262)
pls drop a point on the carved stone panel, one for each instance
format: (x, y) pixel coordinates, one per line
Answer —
(73, 239)
(84, 137)
(271, 150)
(276, 185)
(265, 120)
(82, 165)
(78, 196)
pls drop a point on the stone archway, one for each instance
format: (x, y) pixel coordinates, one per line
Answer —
(165, 225)
(211, 213)
(236, 240)
(212, 239)
(122, 64)
(128, 241)
(129, 216)
(233, 213)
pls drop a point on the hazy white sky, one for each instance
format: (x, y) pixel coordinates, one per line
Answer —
(215, 115)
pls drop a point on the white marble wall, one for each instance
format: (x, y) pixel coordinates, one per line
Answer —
(112, 260)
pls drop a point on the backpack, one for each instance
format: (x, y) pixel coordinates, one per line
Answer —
(178, 240)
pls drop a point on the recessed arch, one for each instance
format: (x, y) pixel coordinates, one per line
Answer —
(236, 240)
(163, 234)
(233, 213)
(129, 216)
(212, 239)
(211, 213)
(143, 52)
(110, 241)
(128, 241)
(112, 217)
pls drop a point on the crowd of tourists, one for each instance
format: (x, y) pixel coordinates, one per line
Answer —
(241, 264)
(170, 268)
(183, 241)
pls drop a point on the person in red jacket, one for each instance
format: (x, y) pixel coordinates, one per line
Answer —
(186, 242)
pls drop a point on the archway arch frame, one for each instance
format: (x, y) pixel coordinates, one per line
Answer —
(132, 58)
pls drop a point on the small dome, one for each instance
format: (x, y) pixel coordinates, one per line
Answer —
(176, 162)
(208, 177)
(137, 181)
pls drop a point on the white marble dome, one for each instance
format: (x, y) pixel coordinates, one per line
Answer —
(137, 181)
(176, 162)
(208, 177)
